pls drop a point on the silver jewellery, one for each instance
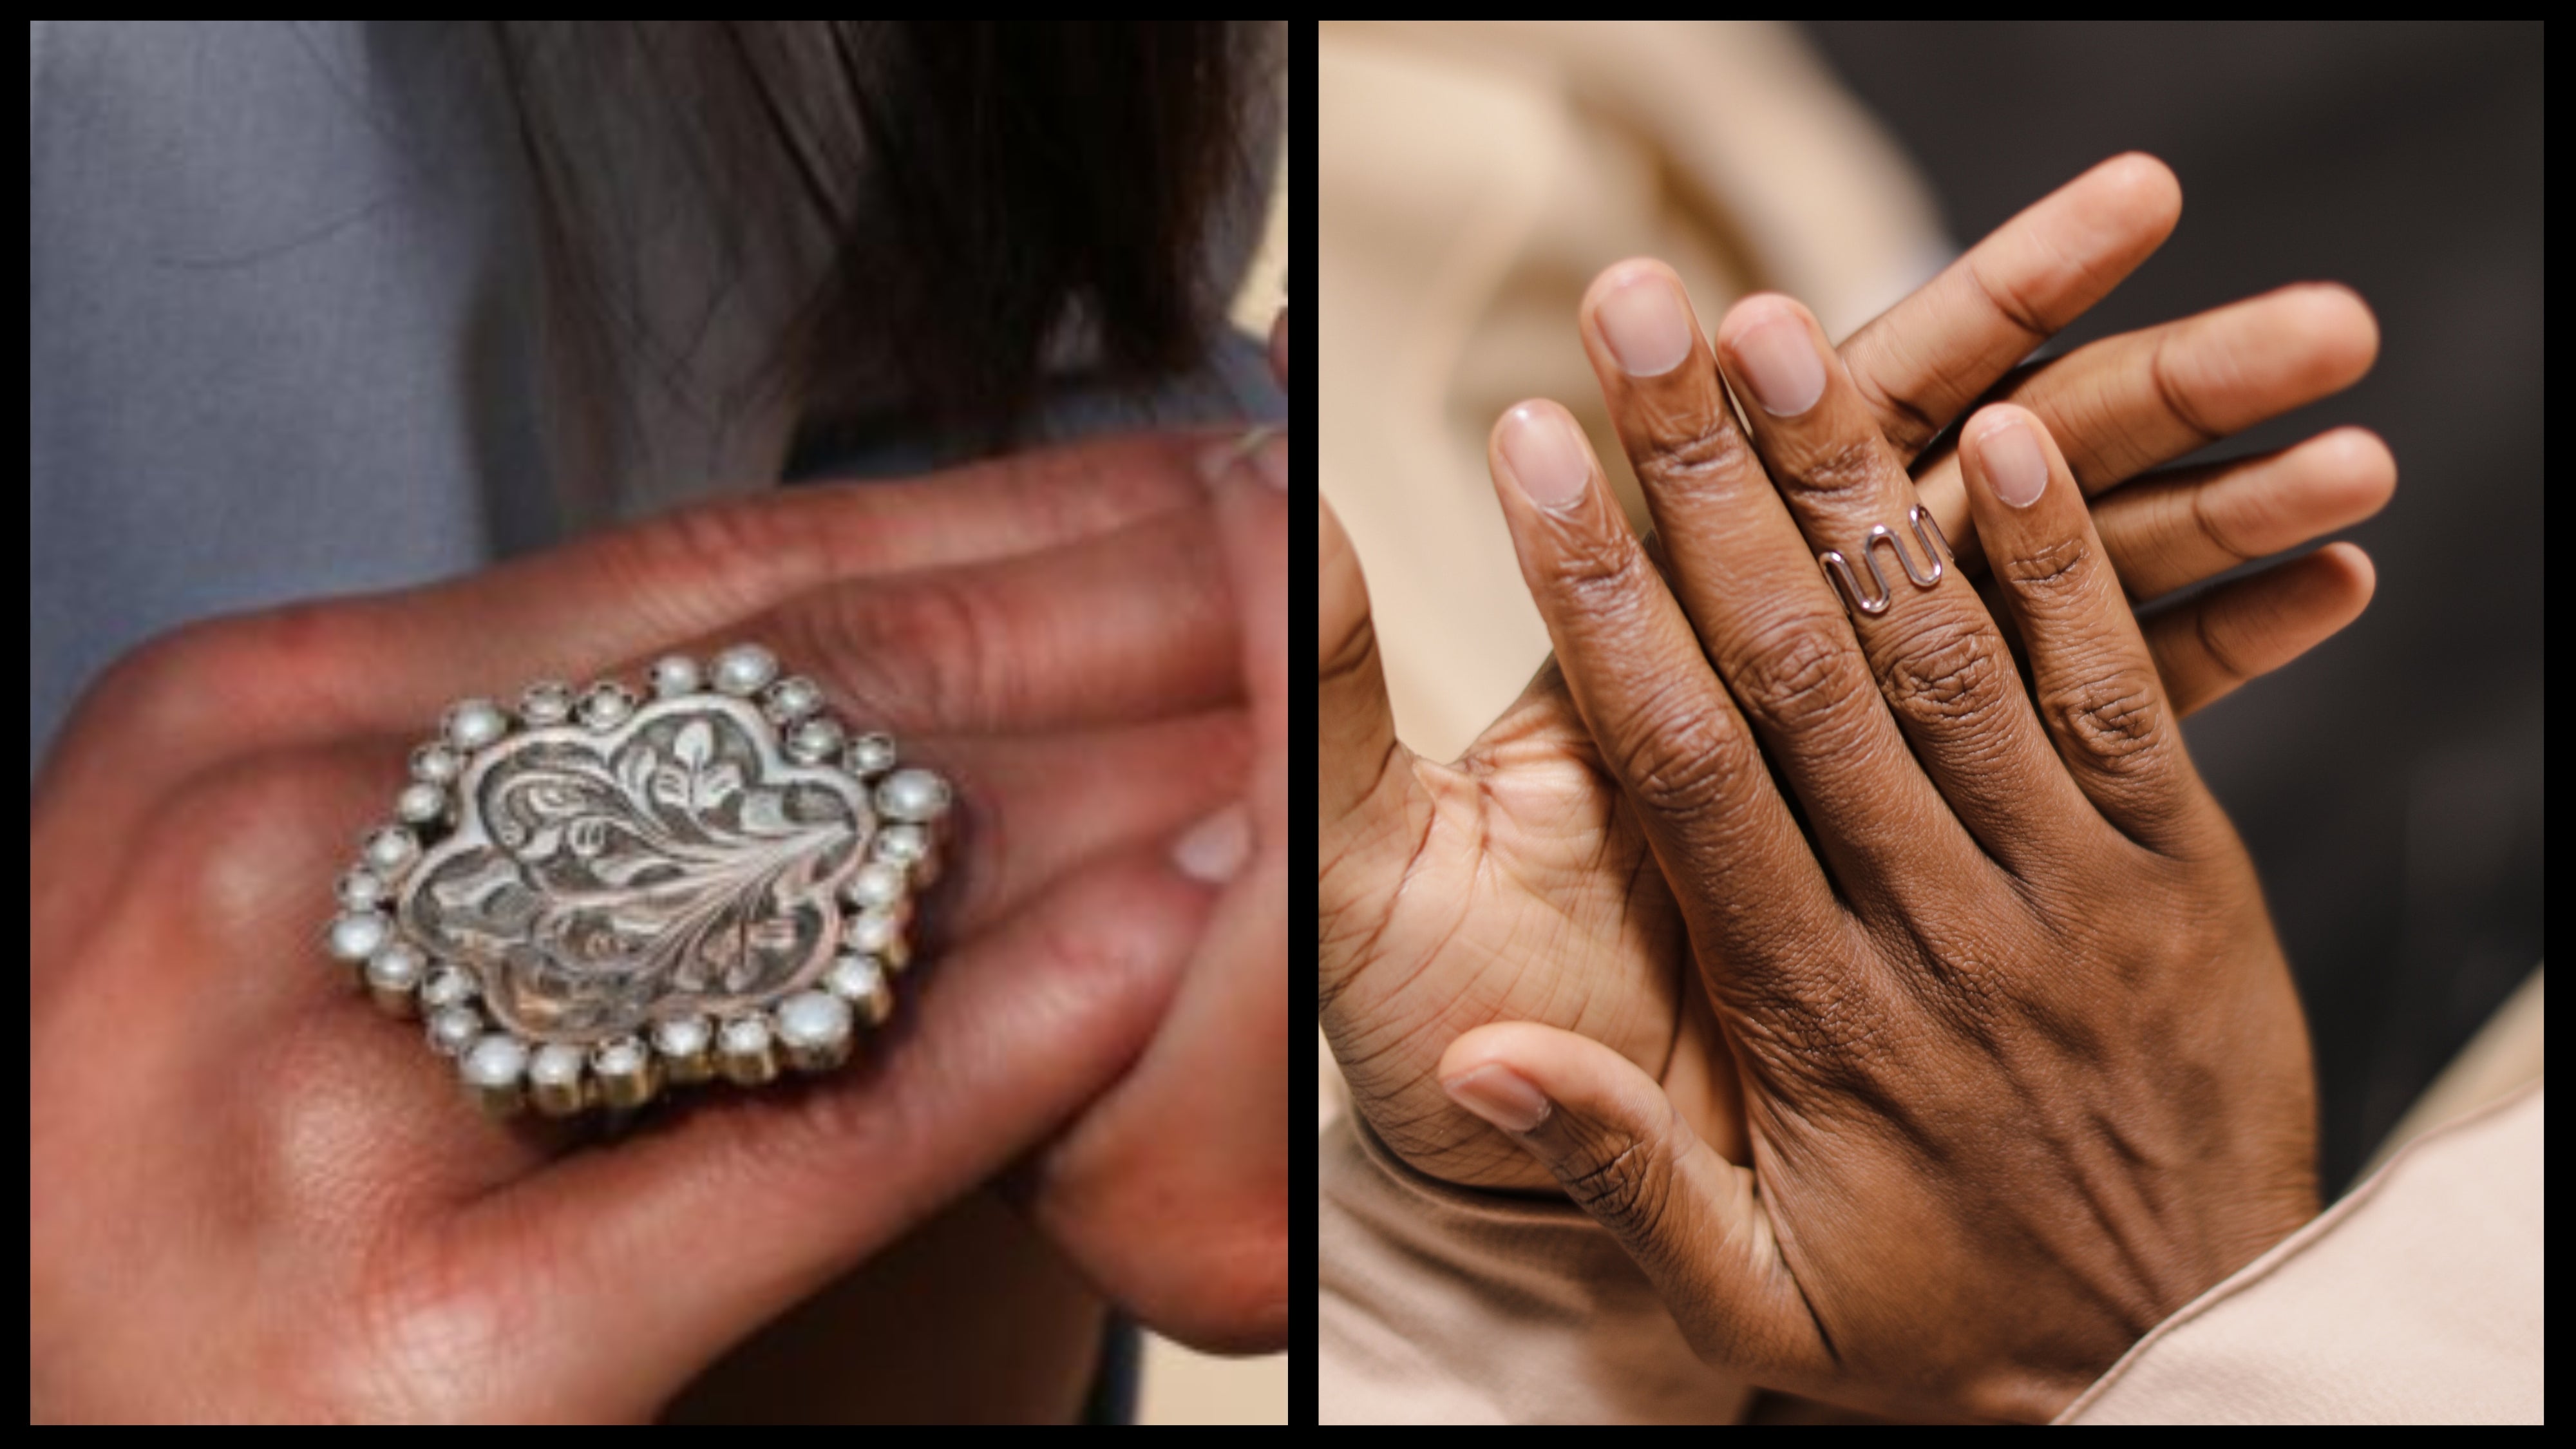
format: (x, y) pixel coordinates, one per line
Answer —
(1926, 532)
(598, 895)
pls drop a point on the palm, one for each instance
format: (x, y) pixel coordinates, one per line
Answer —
(1530, 897)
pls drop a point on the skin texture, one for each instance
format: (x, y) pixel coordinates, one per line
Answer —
(2018, 1051)
(1516, 884)
(245, 1178)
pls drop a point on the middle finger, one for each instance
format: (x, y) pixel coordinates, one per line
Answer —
(1939, 659)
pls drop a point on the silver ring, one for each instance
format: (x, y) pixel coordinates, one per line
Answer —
(595, 896)
(1927, 531)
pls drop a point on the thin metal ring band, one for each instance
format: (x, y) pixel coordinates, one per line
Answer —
(1927, 532)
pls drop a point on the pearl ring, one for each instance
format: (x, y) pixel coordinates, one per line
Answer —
(596, 896)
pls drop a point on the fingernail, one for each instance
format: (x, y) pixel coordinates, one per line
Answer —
(1261, 454)
(1644, 321)
(1216, 849)
(1780, 363)
(2014, 467)
(1499, 1096)
(1544, 457)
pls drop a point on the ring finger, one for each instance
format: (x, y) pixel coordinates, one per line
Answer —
(1940, 662)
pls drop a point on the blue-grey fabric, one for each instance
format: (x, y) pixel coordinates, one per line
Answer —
(282, 337)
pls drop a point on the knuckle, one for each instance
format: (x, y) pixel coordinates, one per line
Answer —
(1625, 1184)
(1599, 574)
(1947, 672)
(232, 844)
(1709, 451)
(1843, 465)
(738, 548)
(1680, 757)
(205, 682)
(921, 656)
(2114, 722)
(1798, 675)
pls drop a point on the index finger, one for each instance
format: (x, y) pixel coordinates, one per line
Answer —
(1923, 361)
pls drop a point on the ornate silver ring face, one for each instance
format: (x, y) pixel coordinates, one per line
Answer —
(594, 896)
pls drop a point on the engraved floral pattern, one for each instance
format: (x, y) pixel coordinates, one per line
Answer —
(676, 864)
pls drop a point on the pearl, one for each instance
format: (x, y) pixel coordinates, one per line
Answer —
(870, 754)
(682, 1043)
(392, 973)
(902, 844)
(495, 1060)
(675, 674)
(555, 1064)
(420, 802)
(548, 701)
(814, 741)
(396, 967)
(473, 723)
(814, 1026)
(607, 704)
(792, 698)
(390, 848)
(447, 986)
(913, 795)
(624, 1071)
(554, 1079)
(360, 888)
(356, 935)
(453, 1029)
(859, 981)
(743, 669)
(681, 1036)
(436, 763)
(745, 1051)
(874, 886)
(875, 933)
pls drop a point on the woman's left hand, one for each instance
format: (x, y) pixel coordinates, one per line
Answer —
(2022, 1066)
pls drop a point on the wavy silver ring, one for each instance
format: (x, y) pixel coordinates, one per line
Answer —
(1927, 531)
(593, 896)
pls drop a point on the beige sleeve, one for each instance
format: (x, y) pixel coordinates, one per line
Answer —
(1439, 1306)
(2415, 1299)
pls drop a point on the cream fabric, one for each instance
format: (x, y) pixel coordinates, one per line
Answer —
(1473, 178)
(1441, 1306)
(2415, 1300)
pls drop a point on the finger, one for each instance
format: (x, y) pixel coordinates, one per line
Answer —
(679, 1240)
(1692, 1221)
(1360, 767)
(2090, 670)
(387, 662)
(2169, 530)
(1745, 576)
(1663, 723)
(2207, 645)
(1923, 361)
(1131, 625)
(2129, 403)
(1940, 663)
(1171, 1193)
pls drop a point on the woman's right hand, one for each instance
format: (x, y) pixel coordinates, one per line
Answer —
(1515, 885)
(252, 1197)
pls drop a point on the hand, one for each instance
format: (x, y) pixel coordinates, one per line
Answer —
(1514, 885)
(1173, 1189)
(2022, 1068)
(252, 1197)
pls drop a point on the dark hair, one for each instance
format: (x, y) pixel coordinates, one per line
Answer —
(968, 201)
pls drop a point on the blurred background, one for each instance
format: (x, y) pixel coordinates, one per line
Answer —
(1475, 176)
(2389, 783)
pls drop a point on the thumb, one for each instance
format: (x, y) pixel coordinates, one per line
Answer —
(1692, 1220)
